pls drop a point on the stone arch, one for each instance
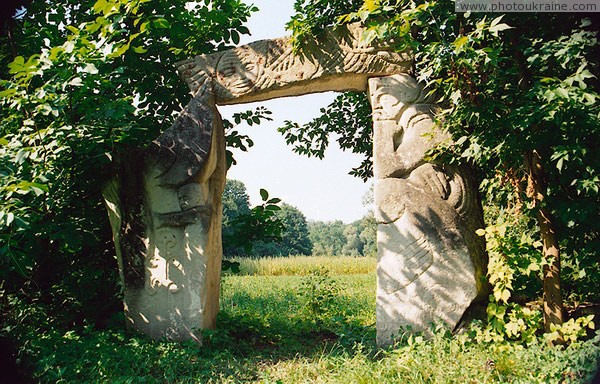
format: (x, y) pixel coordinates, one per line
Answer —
(430, 262)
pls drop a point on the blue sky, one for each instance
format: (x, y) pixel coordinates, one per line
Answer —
(321, 189)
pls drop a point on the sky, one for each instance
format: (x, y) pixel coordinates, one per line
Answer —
(321, 189)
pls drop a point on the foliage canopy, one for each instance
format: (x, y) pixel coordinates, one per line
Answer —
(82, 85)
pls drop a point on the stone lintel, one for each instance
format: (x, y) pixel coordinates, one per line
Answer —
(269, 69)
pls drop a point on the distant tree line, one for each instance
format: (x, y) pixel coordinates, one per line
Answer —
(296, 236)
(358, 238)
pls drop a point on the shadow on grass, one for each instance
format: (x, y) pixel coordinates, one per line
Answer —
(256, 343)
(245, 344)
(250, 347)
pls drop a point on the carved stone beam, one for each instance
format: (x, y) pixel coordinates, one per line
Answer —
(268, 69)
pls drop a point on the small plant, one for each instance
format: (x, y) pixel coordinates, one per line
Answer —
(510, 322)
(320, 292)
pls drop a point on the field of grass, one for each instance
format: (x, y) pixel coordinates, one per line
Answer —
(305, 265)
(318, 327)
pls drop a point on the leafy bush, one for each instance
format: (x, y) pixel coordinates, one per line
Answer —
(515, 263)
(78, 95)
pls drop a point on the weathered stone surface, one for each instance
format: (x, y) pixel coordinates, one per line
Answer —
(430, 262)
(268, 68)
(182, 150)
(166, 220)
(176, 291)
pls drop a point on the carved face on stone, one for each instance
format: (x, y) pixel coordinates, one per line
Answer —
(393, 94)
(390, 108)
(239, 69)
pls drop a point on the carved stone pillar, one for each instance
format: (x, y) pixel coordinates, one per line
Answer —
(431, 265)
(165, 211)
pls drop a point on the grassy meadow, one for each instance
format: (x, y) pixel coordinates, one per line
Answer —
(306, 265)
(294, 320)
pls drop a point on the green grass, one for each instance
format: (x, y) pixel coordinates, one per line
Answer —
(268, 334)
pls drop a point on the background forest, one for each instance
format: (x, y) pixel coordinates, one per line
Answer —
(82, 83)
(298, 237)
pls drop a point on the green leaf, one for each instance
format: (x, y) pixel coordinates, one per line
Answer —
(590, 98)
(368, 36)
(25, 187)
(76, 82)
(99, 6)
(495, 27)
(499, 28)
(93, 27)
(264, 194)
(110, 8)
(74, 30)
(54, 52)
(90, 68)
(21, 156)
(139, 50)
(10, 217)
(455, 96)
(160, 23)
(119, 51)
(235, 37)
(371, 5)
(16, 65)
(512, 329)
(496, 20)
(561, 92)
(459, 42)
(8, 93)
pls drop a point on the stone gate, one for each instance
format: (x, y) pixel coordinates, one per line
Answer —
(167, 221)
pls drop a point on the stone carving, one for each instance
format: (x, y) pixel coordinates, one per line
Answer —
(269, 68)
(160, 268)
(430, 262)
(177, 212)
(166, 220)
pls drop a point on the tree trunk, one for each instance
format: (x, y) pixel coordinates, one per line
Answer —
(553, 303)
